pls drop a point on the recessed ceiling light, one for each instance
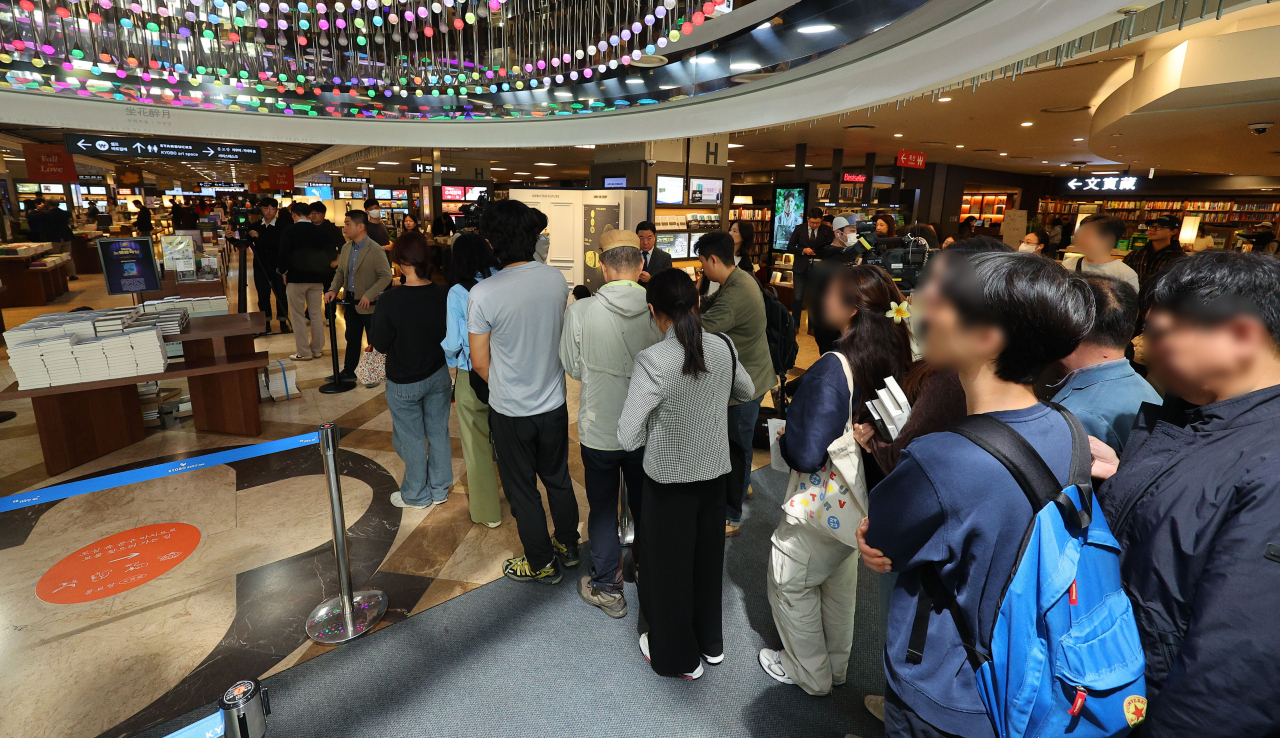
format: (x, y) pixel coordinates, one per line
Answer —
(389, 163)
(497, 169)
(1044, 162)
(1077, 139)
(944, 99)
(1028, 124)
(1003, 153)
(367, 169)
(897, 135)
(731, 161)
(543, 164)
(959, 146)
(522, 174)
(634, 81)
(745, 66)
(517, 180)
(764, 26)
(564, 94)
(1264, 189)
(666, 87)
(704, 60)
(736, 146)
(540, 177)
(1062, 165)
(793, 166)
(1104, 172)
(817, 28)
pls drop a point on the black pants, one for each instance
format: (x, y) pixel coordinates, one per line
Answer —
(900, 721)
(601, 469)
(799, 284)
(357, 327)
(681, 540)
(267, 282)
(528, 449)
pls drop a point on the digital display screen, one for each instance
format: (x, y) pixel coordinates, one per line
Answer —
(705, 191)
(349, 195)
(399, 194)
(611, 183)
(675, 244)
(97, 190)
(324, 193)
(453, 194)
(28, 188)
(126, 191)
(670, 190)
(788, 209)
(128, 265)
(382, 194)
(474, 193)
(52, 189)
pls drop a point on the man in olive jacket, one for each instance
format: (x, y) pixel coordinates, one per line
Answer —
(737, 310)
(364, 272)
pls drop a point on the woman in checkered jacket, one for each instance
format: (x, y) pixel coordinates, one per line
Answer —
(676, 409)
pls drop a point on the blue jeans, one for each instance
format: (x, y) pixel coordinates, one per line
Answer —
(742, 420)
(420, 423)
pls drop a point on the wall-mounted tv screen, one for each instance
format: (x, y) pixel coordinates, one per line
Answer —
(382, 194)
(28, 188)
(324, 193)
(53, 189)
(93, 190)
(453, 194)
(705, 191)
(675, 244)
(788, 212)
(474, 193)
(399, 194)
(670, 190)
(612, 183)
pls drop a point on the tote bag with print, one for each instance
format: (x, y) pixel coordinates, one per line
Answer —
(834, 498)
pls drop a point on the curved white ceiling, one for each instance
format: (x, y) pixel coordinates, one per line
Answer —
(942, 41)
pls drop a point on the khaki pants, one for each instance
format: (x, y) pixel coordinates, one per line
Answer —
(813, 588)
(307, 297)
(477, 451)
(64, 247)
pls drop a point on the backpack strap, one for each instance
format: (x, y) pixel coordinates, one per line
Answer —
(733, 357)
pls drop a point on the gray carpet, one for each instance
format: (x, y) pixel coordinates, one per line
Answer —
(512, 659)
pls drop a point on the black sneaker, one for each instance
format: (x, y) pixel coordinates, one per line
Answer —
(568, 554)
(519, 570)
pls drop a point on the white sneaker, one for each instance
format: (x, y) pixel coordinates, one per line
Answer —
(713, 660)
(771, 662)
(644, 650)
(398, 500)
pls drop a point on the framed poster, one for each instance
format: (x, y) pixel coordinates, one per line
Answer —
(597, 219)
(128, 265)
(788, 212)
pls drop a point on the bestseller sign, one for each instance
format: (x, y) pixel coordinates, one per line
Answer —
(911, 159)
(1087, 183)
(159, 148)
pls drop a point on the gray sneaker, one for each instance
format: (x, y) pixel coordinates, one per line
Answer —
(613, 605)
(875, 705)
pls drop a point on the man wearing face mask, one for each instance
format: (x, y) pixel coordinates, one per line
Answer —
(844, 249)
(377, 230)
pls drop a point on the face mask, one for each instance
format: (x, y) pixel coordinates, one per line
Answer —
(1027, 248)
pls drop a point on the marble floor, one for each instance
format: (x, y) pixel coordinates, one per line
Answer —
(235, 607)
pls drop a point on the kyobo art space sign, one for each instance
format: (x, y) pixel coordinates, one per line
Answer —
(1089, 184)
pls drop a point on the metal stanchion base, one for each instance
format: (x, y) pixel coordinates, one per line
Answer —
(333, 388)
(327, 624)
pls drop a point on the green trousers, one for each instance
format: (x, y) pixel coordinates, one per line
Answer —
(477, 451)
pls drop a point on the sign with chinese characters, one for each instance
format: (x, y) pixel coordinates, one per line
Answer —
(160, 148)
(420, 168)
(849, 177)
(96, 178)
(48, 163)
(353, 180)
(222, 185)
(1084, 184)
(118, 563)
(911, 159)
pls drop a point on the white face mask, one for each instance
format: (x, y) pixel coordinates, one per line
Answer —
(1027, 248)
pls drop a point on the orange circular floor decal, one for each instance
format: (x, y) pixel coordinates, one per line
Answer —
(118, 563)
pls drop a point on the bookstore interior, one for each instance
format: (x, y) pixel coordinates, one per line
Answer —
(156, 403)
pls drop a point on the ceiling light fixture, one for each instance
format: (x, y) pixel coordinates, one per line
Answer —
(959, 146)
(1077, 139)
(541, 177)
(367, 169)
(704, 60)
(666, 87)
(816, 28)
(745, 66)
(736, 146)
(944, 99)
(764, 26)
(634, 81)
(522, 174)
(564, 94)
(1003, 153)
(897, 135)
(1104, 172)
(497, 169)
(389, 163)
(1027, 124)
(543, 164)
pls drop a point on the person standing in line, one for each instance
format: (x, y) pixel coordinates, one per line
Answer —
(264, 237)
(655, 259)
(1035, 242)
(737, 310)
(378, 232)
(1204, 241)
(675, 412)
(601, 338)
(1161, 249)
(53, 224)
(514, 321)
(813, 576)
(472, 262)
(142, 220)
(409, 325)
(1054, 232)
(329, 232)
(306, 265)
(1097, 235)
(807, 243)
(363, 273)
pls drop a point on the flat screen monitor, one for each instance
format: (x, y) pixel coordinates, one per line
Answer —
(28, 188)
(612, 183)
(97, 190)
(670, 190)
(382, 194)
(474, 193)
(399, 194)
(324, 193)
(348, 195)
(128, 265)
(675, 244)
(53, 189)
(788, 212)
(705, 191)
(122, 191)
(453, 194)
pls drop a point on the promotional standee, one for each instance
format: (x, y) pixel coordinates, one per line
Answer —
(129, 265)
(577, 218)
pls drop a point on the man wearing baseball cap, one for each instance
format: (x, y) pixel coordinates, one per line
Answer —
(1162, 248)
(1263, 238)
(601, 337)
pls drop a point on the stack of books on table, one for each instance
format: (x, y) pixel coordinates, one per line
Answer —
(114, 321)
(148, 349)
(24, 249)
(59, 361)
(24, 359)
(92, 360)
(279, 381)
(195, 305)
(119, 352)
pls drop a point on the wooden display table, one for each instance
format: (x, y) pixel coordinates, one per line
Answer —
(27, 288)
(81, 422)
(171, 287)
(84, 252)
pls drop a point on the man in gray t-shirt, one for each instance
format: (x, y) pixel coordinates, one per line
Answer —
(514, 320)
(522, 310)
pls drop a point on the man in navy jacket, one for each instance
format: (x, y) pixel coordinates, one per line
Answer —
(1195, 504)
(998, 320)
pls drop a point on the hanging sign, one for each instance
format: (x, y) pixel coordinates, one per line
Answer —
(911, 159)
(159, 148)
(281, 178)
(849, 177)
(49, 163)
(1089, 184)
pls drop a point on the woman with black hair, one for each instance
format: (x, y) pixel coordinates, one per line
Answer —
(675, 410)
(886, 226)
(744, 239)
(472, 261)
(813, 575)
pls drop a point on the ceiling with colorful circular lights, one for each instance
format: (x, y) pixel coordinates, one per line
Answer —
(429, 60)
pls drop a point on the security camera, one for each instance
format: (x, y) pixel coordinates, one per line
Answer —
(1260, 128)
(651, 162)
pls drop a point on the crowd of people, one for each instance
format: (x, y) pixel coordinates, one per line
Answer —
(673, 372)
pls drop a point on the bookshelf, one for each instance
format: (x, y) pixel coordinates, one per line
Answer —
(1224, 212)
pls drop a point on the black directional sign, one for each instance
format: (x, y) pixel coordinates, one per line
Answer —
(159, 148)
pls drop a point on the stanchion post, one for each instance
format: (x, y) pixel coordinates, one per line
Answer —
(626, 526)
(338, 384)
(242, 291)
(349, 614)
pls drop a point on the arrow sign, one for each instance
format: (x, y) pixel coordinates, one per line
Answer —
(1074, 183)
(158, 148)
(82, 144)
(139, 147)
(209, 151)
(122, 558)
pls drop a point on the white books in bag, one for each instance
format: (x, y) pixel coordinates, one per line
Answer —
(890, 409)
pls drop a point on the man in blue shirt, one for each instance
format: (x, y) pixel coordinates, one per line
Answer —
(998, 320)
(1100, 386)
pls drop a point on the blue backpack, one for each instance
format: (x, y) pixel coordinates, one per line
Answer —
(1063, 656)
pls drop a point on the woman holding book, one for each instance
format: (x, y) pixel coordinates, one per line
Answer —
(813, 575)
